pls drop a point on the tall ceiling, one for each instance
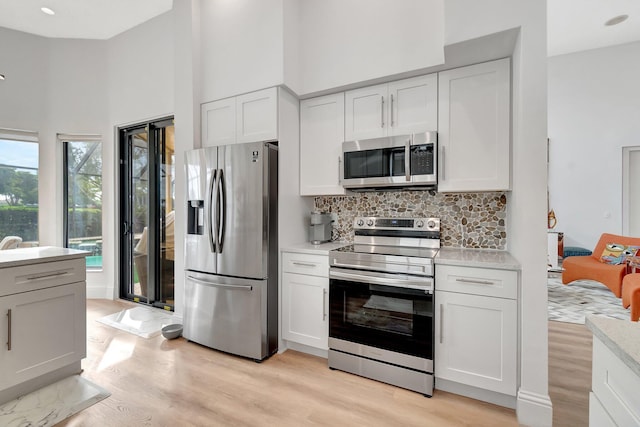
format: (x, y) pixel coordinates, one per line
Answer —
(573, 25)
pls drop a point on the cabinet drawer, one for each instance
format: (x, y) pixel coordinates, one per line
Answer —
(477, 281)
(314, 265)
(43, 275)
(616, 386)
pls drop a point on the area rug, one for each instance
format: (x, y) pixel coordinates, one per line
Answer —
(52, 404)
(142, 321)
(571, 303)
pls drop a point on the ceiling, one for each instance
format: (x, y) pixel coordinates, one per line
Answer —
(79, 19)
(573, 25)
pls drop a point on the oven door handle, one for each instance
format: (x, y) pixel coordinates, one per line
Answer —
(425, 285)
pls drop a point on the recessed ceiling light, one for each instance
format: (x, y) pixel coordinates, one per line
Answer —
(47, 11)
(616, 20)
(1, 76)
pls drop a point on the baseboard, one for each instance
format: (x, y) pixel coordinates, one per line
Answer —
(98, 292)
(305, 349)
(476, 393)
(534, 409)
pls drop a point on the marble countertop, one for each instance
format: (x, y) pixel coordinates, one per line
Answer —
(308, 248)
(483, 258)
(621, 336)
(26, 256)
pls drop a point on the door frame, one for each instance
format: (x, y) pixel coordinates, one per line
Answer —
(626, 187)
(124, 255)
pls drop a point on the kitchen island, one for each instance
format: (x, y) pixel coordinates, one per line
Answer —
(614, 398)
(42, 317)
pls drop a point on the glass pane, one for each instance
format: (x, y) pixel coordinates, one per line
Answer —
(84, 199)
(140, 213)
(167, 199)
(18, 193)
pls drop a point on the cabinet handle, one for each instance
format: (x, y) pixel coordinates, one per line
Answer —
(391, 110)
(9, 330)
(442, 163)
(441, 320)
(475, 282)
(324, 304)
(44, 276)
(382, 111)
(303, 264)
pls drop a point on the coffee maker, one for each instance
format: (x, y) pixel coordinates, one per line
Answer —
(320, 227)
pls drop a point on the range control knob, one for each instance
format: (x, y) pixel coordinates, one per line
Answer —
(419, 223)
(370, 222)
(360, 222)
(431, 223)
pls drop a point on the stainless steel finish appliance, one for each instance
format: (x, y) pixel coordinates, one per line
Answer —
(231, 249)
(381, 301)
(396, 161)
(320, 225)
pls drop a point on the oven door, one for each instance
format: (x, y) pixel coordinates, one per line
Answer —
(393, 312)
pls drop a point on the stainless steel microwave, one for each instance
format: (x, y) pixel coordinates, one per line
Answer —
(395, 161)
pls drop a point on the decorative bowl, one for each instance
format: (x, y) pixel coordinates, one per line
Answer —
(172, 331)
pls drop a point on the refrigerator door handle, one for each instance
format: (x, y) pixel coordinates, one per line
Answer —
(220, 285)
(212, 181)
(222, 203)
(218, 208)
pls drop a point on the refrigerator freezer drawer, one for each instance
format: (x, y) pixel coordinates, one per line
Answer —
(227, 314)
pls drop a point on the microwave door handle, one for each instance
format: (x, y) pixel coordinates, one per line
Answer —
(407, 160)
(340, 170)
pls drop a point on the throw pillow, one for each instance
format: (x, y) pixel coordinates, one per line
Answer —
(615, 253)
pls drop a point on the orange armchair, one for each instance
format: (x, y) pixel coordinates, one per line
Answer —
(589, 266)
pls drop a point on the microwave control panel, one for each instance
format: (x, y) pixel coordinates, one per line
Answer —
(422, 159)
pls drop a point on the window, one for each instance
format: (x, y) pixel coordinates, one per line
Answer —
(19, 186)
(82, 159)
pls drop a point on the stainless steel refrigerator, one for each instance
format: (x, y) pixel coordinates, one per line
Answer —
(231, 249)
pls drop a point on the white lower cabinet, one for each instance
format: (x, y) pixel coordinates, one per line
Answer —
(305, 294)
(45, 330)
(615, 397)
(476, 336)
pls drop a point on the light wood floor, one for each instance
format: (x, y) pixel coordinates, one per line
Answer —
(155, 382)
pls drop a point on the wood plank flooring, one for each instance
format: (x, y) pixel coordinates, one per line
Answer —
(155, 382)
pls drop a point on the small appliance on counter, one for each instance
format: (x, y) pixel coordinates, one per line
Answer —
(320, 227)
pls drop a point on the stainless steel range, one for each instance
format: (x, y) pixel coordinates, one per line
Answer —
(381, 301)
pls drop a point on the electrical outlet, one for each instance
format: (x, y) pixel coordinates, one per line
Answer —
(334, 216)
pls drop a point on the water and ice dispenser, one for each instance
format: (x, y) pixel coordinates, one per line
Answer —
(195, 217)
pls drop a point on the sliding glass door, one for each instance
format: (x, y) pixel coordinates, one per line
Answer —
(147, 213)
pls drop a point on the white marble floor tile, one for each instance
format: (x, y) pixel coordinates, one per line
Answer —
(142, 321)
(52, 404)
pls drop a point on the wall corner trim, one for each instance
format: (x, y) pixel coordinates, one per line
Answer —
(534, 409)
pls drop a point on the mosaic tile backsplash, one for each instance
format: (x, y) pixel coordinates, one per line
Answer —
(470, 220)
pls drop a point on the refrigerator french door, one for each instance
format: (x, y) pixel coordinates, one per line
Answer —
(231, 248)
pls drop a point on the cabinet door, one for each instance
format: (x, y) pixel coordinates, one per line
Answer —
(366, 113)
(476, 341)
(413, 105)
(257, 116)
(474, 127)
(45, 330)
(304, 310)
(218, 122)
(321, 136)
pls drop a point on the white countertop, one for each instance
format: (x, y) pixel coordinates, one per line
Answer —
(622, 337)
(483, 258)
(26, 256)
(308, 248)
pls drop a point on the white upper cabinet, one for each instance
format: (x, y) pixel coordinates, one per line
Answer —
(257, 116)
(321, 136)
(397, 108)
(246, 118)
(219, 122)
(474, 128)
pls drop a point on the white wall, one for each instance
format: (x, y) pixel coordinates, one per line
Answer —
(594, 111)
(344, 42)
(242, 46)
